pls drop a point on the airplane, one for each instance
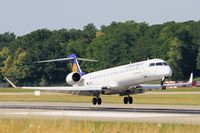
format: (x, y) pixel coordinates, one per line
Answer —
(124, 80)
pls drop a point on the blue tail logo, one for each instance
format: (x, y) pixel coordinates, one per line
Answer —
(74, 64)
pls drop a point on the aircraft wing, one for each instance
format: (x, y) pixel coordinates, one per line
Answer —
(59, 88)
(158, 86)
(66, 88)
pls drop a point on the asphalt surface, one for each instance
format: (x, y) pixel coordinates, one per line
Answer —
(104, 112)
(99, 108)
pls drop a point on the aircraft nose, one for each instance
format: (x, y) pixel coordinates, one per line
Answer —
(168, 72)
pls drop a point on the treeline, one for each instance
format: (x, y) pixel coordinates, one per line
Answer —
(112, 45)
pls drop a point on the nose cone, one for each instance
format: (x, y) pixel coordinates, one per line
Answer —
(167, 72)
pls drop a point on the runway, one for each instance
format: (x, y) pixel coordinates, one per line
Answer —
(99, 108)
(105, 112)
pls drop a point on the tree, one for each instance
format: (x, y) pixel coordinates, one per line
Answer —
(89, 32)
(112, 45)
(175, 57)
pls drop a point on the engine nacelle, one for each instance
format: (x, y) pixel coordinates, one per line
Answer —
(73, 78)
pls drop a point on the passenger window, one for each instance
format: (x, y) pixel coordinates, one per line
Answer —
(159, 64)
(152, 64)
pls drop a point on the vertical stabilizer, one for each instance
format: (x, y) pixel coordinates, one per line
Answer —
(191, 78)
(74, 65)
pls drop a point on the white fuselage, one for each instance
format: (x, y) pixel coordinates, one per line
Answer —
(125, 76)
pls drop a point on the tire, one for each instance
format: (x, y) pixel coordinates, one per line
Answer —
(125, 100)
(99, 101)
(164, 88)
(94, 101)
(130, 100)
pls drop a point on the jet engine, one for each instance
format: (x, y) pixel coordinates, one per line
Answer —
(73, 78)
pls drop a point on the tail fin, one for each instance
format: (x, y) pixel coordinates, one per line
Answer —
(73, 60)
(191, 78)
(74, 64)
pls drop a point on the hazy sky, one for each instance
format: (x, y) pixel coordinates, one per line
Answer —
(24, 16)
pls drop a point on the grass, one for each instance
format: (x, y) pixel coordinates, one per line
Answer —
(197, 78)
(13, 90)
(46, 125)
(172, 99)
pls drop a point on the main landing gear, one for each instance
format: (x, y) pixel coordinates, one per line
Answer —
(96, 100)
(128, 99)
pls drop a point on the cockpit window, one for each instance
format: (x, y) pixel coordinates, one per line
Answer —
(159, 64)
(165, 64)
(152, 64)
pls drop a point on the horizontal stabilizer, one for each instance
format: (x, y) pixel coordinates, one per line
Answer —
(84, 59)
(53, 60)
(65, 59)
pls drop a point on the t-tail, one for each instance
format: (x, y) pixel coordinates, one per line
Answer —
(73, 60)
(74, 65)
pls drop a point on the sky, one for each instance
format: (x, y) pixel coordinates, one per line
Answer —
(25, 16)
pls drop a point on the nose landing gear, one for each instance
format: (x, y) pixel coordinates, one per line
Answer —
(162, 83)
(163, 87)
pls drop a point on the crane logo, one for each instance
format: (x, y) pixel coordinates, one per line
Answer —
(74, 68)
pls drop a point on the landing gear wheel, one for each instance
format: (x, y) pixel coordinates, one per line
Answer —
(99, 101)
(130, 100)
(163, 87)
(94, 101)
(125, 100)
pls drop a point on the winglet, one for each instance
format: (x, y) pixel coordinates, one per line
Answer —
(13, 85)
(191, 78)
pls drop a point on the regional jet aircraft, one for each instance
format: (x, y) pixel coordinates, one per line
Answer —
(123, 80)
